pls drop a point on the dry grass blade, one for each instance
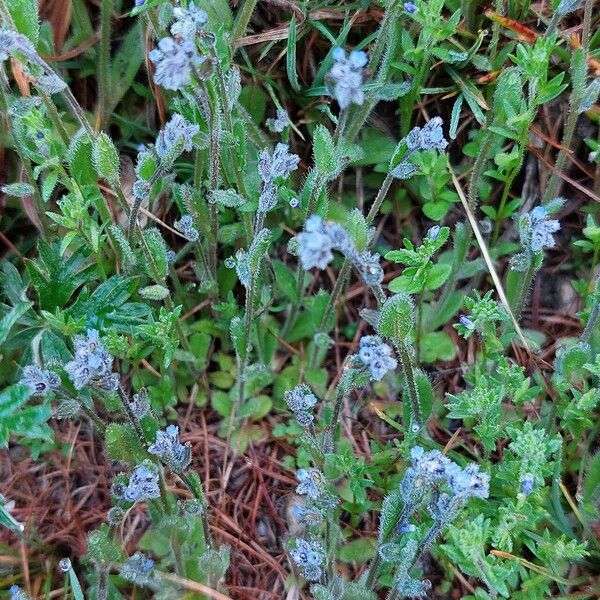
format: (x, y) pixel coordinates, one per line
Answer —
(487, 258)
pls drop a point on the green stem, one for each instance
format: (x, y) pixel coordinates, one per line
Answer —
(104, 93)
(591, 324)
(478, 167)
(419, 331)
(413, 393)
(55, 118)
(168, 301)
(199, 495)
(507, 187)
(341, 125)
(561, 160)
(212, 119)
(315, 192)
(587, 25)
(381, 58)
(526, 282)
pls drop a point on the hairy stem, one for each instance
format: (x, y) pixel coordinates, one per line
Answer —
(104, 92)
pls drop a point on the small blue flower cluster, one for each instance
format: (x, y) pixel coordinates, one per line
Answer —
(39, 381)
(375, 354)
(312, 483)
(176, 137)
(170, 450)
(140, 405)
(308, 556)
(189, 22)
(466, 322)
(535, 229)
(319, 238)
(138, 569)
(271, 167)
(16, 593)
(301, 401)
(175, 61)
(345, 79)
(527, 483)
(185, 225)
(428, 137)
(142, 486)
(280, 122)
(92, 364)
(433, 468)
(177, 58)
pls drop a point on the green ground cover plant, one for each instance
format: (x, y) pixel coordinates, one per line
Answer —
(299, 299)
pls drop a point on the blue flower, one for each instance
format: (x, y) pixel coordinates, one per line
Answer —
(271, 167)
(140, 405)
(188, 21)
(174, 61)
(345, 79)
(527, 483)
(314, 244)
(138, 569)
(468, 482)
(312, 483)
(176, 137)
(143, 485)
(428, 137)
(92, 363)
(301, 401)
(186, 226)
(167, 446)
(280, 122)
(535, 229)
(39, 381)
(308, 557)
(409, 7)
(466, 322)
(377, 356)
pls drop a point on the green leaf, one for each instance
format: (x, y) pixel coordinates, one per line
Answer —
(24, 13)
(18, 190)
(291, 55)
(286, 280)
(455, 117)
(12, 398)
(359, 550)
(56, 278)
(106, 298)
(358, 229)
(257, 249)
(436, 276)
(257, 408)
(125, 64)
(158, 250)
(106, 158)
(123, 444)
(325, 152)
(48, 185)
(437, 346)
(396, 318)
(228, 198)
(11, 317)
